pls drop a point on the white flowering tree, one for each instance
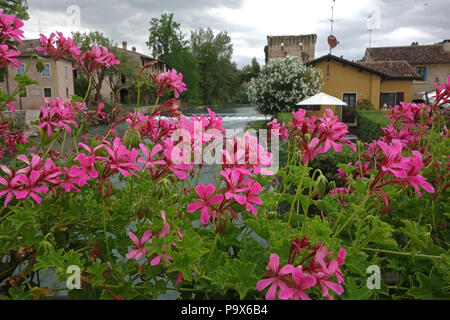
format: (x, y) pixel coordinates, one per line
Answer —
(282, 84)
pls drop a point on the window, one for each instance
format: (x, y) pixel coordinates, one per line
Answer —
(21, 69)
(46, 72)
(66, 73)
(388, 99)
(423, 71)
(311, 108)
(47, 92)
(349, 99)
(67, 93)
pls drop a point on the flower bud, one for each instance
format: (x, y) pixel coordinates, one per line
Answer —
(132, 139)
(142, 208)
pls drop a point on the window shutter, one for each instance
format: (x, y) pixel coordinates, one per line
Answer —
(400, 98)
(425, 74)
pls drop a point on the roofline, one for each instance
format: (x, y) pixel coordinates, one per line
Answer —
(419, 45)
(293, 35)
(329, 57)
(368, 51)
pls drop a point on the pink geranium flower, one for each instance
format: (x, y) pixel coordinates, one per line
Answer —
(168, 81)
(139, 250)
(393, 161)
(274, 280)
(10, 28)
(31, 186)
(311, 151)
(9, 56)
(85, 171)
(326, 282)
(11, 185)
(413, 176)
(95, 59)
(149, 163)
(302, 282)
(250, 197)
(100, 112)
(206, 202)
(11, 106)
(58, 48)
(122, 159)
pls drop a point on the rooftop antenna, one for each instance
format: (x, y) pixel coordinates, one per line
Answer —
(332, 41)
(373, 22)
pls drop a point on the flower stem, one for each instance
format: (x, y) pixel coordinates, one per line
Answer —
(403, 253)
(88, 89)
(350, 219)
(299, 190)
(105, 211)
(216, 237)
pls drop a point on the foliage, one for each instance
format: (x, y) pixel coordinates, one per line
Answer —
(204, 60)
(282, 84)
(370, 123)
(364, 104)
(128, 210)
(18, 8)
(218, 75)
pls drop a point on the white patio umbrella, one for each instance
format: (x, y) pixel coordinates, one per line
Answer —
(322, 99)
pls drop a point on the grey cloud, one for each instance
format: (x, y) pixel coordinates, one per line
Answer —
(129, 20)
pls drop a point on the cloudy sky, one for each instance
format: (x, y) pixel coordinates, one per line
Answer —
(248, 22)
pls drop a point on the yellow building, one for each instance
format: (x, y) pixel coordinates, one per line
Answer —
(383, 83)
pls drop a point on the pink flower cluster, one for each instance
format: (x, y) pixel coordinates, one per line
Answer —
(58, 48)
(314, 136)
(169, 81)
(316, 269)
(10, 31)
(139, 249)
(10, 138)
(95, 59)
(31, 181)
(10, 28)
(58, 114)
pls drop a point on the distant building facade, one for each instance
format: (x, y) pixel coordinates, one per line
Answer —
(301, 46)
(432, 62)
(34, 95)
(123, 93)
(381, 83)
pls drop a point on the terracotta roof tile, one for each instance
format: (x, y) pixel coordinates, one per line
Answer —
(393, 69)
(412, 54)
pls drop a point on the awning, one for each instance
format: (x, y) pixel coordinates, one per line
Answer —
(322, 99)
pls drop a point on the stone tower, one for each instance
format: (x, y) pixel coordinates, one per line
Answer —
(301, 46)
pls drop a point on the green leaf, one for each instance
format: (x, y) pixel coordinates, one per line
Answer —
(237, 275)
(430, 287)
(352, 292)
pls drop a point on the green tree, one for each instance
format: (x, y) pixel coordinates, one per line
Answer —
(250, 71)
(165, 37)
(18, 8)
(283, 83)
(168, 45)
(218, 74)
(85, 41)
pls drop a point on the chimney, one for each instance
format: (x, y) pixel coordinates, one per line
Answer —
(446, 45)
(134, 49)
(124, 45)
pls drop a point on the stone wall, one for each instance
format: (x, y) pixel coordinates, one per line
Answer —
(436, 73)
(301, 46)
